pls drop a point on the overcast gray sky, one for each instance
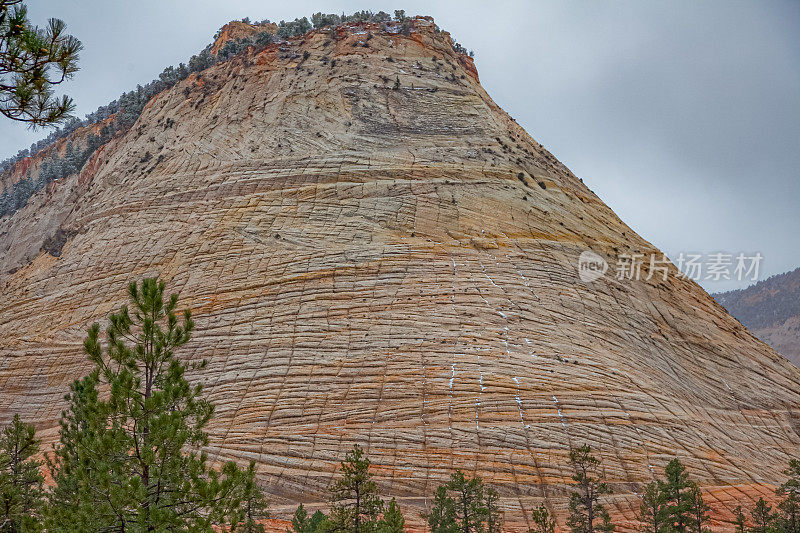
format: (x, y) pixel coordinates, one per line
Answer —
(683, 116)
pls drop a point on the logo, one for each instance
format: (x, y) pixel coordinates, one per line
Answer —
(591, 266)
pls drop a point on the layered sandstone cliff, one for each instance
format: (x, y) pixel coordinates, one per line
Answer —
(376, 253)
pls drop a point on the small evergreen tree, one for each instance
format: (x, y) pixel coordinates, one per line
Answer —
(392, 521)
(319, 523)
(677, 494)
(494, 516)
(762, 517)
(355, 504)
(300, 521)
(460, 505)
(7, 204)
(586, 513)
(21, 191)
(470, 506)
(788, 519)
(253, 506)
(653, 508)
(321, 20)
(698, 510)
(20, 479)
(127, 458)
(293, 27)
(739, 519)
(442, 517)
(542, 521)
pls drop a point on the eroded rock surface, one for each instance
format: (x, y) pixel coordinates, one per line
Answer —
(375, 253)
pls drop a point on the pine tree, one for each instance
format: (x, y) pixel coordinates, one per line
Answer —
(676, 492)
(28, 54)
(762, 517)
(788, 518)
(586, 513)
(321, 20)
(69, 161)
(20, 479)
(23, 190)
(543, 522)
(470, 507)
(56, 168)
(739, 522)
(253, 506)
(392, 521)
(464, 505)
(698, 510)
(319, 523)
(128, 457)
(442, 517)
(6, 204)
(300, 521)
(653, 508)
(355, 504)
(494, 517)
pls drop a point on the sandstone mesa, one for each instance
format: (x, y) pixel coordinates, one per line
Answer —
(393, 267)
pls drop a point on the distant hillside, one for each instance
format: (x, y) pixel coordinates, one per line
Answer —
(771, 310)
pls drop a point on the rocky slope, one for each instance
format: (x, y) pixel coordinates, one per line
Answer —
(239, 30)
(29, 167)
(376, 253)
(771, 310)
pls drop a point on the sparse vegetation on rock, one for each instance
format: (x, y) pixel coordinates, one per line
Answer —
(53, 168)
(122, 113)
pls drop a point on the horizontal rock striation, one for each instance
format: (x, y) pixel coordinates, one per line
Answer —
(375, 253)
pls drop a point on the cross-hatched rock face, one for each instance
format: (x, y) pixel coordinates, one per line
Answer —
(375, 253)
